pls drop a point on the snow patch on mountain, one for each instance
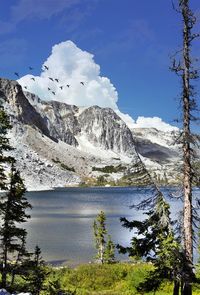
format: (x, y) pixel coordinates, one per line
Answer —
(57, 144)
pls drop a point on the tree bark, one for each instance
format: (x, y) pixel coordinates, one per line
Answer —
(187, 182)
(4, 270)
(187, 169)
(176, 288)
(101, 253)
(187, 289)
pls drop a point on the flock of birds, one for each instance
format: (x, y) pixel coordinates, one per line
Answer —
(46, 68)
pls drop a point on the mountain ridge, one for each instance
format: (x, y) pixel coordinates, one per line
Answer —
(89, 138)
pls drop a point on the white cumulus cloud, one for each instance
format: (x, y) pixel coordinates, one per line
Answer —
(69, 65)
(153, 122)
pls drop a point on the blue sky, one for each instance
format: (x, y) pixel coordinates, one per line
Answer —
(131, 41)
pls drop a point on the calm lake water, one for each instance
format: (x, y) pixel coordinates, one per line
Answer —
(61, 220)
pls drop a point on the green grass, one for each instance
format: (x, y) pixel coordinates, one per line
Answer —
(95, 279)
(115, 279)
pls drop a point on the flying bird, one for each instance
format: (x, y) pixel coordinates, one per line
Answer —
(56, 80)
(25, 87)
(33, 79)
(49, 88)
(68, 85)
(82, 83)
(46, 68)
(61, 87)
(16, 74)
(30, 68)
(53, 92)
(51, 78)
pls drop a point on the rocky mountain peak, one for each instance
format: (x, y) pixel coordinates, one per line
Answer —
(104, 127)
(57, 143)
(19, 107)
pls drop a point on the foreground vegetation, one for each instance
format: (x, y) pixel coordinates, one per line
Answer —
(106, 279)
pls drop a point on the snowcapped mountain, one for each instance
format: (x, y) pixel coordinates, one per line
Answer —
(57, 144)
(100, 126)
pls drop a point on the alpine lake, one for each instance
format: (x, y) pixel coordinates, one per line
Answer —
(61, 221)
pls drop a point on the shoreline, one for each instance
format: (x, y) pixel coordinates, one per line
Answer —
(96, 186)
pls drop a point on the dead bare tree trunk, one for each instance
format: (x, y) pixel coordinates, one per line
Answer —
(187, 180)
(185, 69)
(187, 169)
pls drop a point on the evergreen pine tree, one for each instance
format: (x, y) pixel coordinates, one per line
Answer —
(100, 233)
(36, 274)
(13, 205)
(109, 253)
(21, 261)
(103, 243)
(4, 146)
(155, 241)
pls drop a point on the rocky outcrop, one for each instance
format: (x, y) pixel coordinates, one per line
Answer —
(105, 128)
(59, 118)
(102, 127)
(19, 106)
